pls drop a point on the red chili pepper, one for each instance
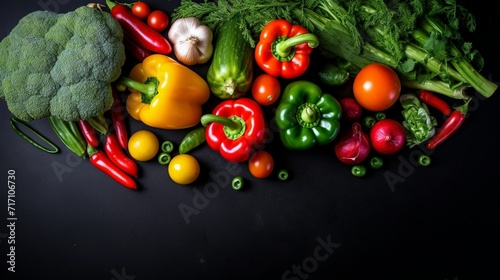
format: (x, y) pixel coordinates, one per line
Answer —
(136, 50)
(431, 99)
(118, 119)
(118, 157)
(283, 49)
(88, 133)
(452, 123)
(235, 128)
(138, 30)
(101, 161)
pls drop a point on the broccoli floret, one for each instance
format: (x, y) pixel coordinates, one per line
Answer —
(61, 64)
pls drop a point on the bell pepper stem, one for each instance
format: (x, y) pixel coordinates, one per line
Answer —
(284, 48)
(148, 89)
(234, 126)
(210, 118)
(308, 115)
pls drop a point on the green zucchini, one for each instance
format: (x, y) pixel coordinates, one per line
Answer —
(230, 74)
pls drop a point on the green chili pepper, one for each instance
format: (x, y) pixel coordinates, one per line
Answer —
(167, 146)
(307, 117)
(358, 170)
(193, 139)
(376, 162)
(99, 123)
(23, 135)
(424, 160)
(237, 183)
(164, 158)
(369, 121)
(380, 116)
(283, 174)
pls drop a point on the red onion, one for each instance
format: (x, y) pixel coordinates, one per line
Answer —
(353, 146)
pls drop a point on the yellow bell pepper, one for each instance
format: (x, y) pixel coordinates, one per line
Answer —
(164, 93)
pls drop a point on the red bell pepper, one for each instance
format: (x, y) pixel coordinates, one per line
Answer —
(283, 49)
(235, 128)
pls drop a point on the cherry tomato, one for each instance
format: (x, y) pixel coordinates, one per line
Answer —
(266, 89)
(158, 20)
(141, 9)
(376, 87)
(143, 145)
(261, 164)
(184, 169)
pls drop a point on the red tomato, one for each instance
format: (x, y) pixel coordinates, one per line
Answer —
(141, 9)
(266, 89)
(376, 87)
(261, 164)
(158, 20)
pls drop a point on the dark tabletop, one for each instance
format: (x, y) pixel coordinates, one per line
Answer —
(438, 222)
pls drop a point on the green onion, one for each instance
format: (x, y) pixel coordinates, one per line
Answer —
(424, 160)
(283, 174)
(164, 158)
(167, 146)
(237, 183)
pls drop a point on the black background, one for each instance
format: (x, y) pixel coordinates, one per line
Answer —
(440, 222)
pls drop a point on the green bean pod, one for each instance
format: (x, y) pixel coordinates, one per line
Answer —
(13, 123)
(70, 135)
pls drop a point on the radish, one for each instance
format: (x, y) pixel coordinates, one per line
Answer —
(353, 146)
(387, 136)
(351, 110)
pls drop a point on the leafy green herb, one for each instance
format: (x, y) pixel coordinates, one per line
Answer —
(419, 124)
(421, 39)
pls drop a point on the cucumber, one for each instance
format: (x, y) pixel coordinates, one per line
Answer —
(333, 75)
(230, 74)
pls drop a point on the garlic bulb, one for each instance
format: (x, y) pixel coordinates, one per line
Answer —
(192, 41)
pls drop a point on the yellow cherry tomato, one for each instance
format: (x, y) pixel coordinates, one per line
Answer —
(184, 169)
(143, 145)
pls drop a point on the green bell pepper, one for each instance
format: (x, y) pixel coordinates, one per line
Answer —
(306, 117)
